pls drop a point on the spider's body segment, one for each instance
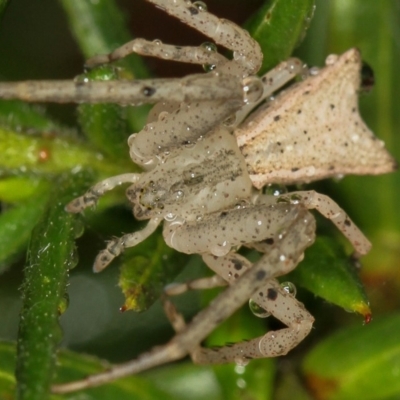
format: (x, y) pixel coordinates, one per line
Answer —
(203, 152)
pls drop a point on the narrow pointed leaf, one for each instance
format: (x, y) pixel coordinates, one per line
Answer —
(16, 224)
(361, 362)
(21, 117)
(105, 125)
(146, 270)
(41, 155)
(328, 272)
(99, 28)
(279, 26)
(51, 255)
(74, 366)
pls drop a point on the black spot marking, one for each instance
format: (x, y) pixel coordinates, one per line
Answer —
(277, 117)
(332, 106)
(148, 91)
(238, 265)
(260, 275)
(272, 294)
(295, 169)
(269, 241)
(347, 222)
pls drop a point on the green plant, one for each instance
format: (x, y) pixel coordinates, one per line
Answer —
(44, 164)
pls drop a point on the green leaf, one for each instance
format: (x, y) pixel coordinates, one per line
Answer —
(51, 155)
(187, 381)
(105, 125)
(145, 271)
(51, 255)
(73, 366)
(361, 362)
(22, 117)
(16, 224)
(100, 27)
(18, 188)
(328, 272)
(3, 6)
(279, 27)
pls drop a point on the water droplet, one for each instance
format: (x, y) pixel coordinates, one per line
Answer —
(295, 198)
(221, 249)
(63, 304)
(313, 71)
(253, 89)
(283, 199)
(200, 5)
(274, 189)
(78, 227)
(158, 42)
(289, 287)
(257, 310)
(179, 194)
(230, 121)
(331, 59)
(294, 65)
(170, 217)
(81, 79)
(241, 361)
(209, 46)
(367, 318)
(73, 259)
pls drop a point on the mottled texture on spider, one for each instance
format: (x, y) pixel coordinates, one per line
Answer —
(197, 183)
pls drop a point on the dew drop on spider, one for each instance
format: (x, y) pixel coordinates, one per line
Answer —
(221, 249)
(313, 71)
(170, 217)
(211, 47)
(230, 121)
(179, 194)
(274, 189)
(331, 59)
(289, 287)
(253, 89)
(241, 361)
(257, 310)
(200, 5)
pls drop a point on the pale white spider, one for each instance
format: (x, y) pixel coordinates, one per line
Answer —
(199, 178)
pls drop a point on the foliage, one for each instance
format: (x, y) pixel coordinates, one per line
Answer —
(45, 163)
